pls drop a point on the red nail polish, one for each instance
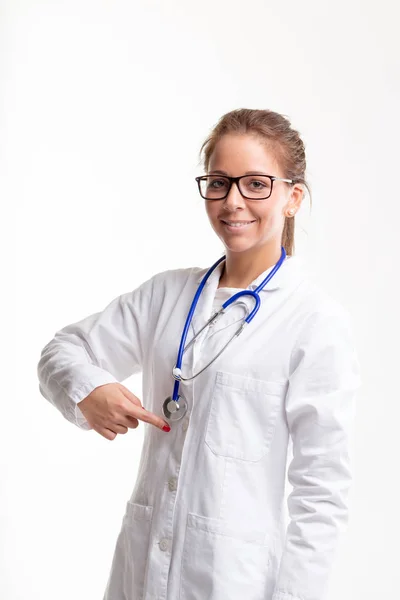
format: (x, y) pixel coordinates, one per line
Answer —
(166, 428)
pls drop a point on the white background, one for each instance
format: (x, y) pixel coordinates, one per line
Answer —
(104, 106)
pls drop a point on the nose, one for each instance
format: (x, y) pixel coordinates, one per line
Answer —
(234, 199)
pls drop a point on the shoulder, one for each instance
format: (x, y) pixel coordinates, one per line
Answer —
(314, 301)
(158, 292)
(169, 278)
(319, 304)
(179, 275)
(169, 283)
(326, 327)
(325, 344)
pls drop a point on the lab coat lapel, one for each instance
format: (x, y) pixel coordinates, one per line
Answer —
(204, 305)
(203, 309)
(289, 273)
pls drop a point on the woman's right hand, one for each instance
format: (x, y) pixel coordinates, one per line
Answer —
(112, 408)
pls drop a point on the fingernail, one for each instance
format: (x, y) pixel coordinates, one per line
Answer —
(166, 428)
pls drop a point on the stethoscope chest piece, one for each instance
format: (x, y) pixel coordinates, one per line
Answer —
(174, 410)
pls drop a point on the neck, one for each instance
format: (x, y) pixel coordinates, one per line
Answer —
(241, 268)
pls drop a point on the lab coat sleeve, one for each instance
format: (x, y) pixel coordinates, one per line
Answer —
(320, 410)
(105, 347)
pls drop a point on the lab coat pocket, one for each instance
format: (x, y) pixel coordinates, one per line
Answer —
(243, 415)
(222, 561)
(128, 572)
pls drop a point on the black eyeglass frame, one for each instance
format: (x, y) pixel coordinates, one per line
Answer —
(236, 180)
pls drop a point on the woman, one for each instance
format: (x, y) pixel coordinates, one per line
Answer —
(205, 519)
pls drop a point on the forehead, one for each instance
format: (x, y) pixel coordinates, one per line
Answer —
(238, 153)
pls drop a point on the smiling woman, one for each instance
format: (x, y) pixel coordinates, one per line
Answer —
(254, 185)
(205, 517)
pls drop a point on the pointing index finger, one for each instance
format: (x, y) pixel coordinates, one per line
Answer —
(139, 412)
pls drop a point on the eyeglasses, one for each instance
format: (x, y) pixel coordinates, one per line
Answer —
(252, 187)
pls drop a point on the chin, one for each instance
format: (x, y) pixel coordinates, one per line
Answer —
(238, 245)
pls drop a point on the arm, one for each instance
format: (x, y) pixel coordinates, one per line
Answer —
(320, 408)
(105, 347)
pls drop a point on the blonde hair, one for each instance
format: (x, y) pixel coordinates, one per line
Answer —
(276, 131)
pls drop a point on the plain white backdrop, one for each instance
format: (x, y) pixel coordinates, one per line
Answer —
(104, 107)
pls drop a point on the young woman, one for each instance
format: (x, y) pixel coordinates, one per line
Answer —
(205, 519)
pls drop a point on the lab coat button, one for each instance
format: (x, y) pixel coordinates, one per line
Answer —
(163, 544)
(172, 484)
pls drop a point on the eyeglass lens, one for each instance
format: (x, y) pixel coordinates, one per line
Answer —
(215, 187)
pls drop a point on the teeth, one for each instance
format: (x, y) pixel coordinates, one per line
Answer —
(238, 224)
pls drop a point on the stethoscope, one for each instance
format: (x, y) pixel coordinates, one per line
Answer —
(175, 406)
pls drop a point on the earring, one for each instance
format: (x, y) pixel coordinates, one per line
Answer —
(291, 211)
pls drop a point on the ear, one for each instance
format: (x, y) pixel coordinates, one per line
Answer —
(294, 201)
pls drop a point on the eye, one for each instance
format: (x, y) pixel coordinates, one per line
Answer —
(256, 181)
(216, 183)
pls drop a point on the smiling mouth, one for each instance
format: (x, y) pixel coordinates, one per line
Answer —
(237, 224)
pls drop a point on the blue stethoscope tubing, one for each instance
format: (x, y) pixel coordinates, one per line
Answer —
(254, 294)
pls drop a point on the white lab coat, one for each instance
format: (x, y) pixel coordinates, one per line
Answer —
(206, 517)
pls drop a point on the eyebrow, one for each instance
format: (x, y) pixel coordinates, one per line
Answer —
(246, 173)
